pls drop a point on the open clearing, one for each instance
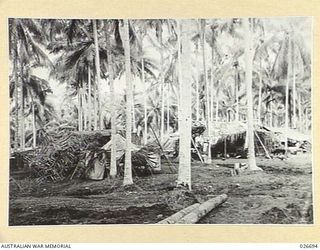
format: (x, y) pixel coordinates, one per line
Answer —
(281, 194)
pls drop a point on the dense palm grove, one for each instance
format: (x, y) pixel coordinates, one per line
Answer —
(150, 78)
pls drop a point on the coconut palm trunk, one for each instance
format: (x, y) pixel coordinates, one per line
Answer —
(21, 116)
(271, 122)
(248, 77)
(300, 112)
(84, 106)
(197, 83)
(113, 161)
(294, 117)
(134, 128)
(16, 95)
(95, 117)
(161, 83)
(211, 88)
(145, 110)
(97, 64)
(287, 93)
(207, 106)
(179, 72)
(185, 111)
(236, 82)
(217, 108)
(260, 94)
(34, 130)
(168, 109)
(79, 111)
(89, 98)
(127, 180)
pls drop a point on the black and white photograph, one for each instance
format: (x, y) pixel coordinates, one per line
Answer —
(160, 121)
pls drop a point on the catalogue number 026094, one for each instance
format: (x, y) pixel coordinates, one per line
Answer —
(309, 246)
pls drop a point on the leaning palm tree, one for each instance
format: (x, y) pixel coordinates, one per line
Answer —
(248, 77)
(185, 116)
(127, 180)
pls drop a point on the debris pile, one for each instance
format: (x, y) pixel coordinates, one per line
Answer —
(73, 155)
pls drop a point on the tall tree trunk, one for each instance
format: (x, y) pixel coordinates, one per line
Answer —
(211, 86)
(161, 83)
(197, 85)
(294, 118)
(306, 120)
(16, 94)
(236, 92)
(217, 107)
(179, 71)
(79, 111)
(82, 108)
(89, 98)
(168, 109)
(207, 111)
(22, 135)
(84, 105)
(260, 94)
(127, 180)
(271, 122)
(248, 74)
(113, 161)
(34, 130)
(97, 64)
(287, 94)
(134, 128)
(145, 111)
(95, 115)
(185, 111)
(300, 112)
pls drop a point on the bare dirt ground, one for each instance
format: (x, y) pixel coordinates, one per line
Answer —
(281, 194)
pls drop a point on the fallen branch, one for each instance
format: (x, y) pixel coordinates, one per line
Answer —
(195, 215)
(177, 216)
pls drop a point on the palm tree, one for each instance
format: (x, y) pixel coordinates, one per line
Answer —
(97, 65)
(248, 76)
(145, 108)
(34, 92)
(15, 78)
(287, 92)
(206, 83)
(197, 81)
(113, 162)
(26, 52)
(89, 96)
(126, 44)
(185, 116)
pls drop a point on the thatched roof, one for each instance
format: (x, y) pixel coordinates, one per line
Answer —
(292, 134)
(223, 130)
